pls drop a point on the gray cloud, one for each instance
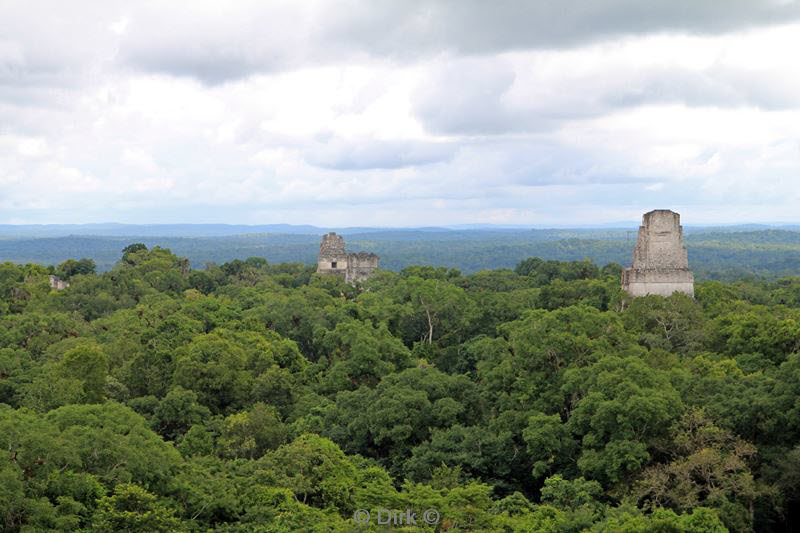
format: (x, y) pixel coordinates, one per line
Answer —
(47, 43)
(473, 26)
(718, 86)
(490, 96)
(467, 97)
(216, 44)
(375, 154)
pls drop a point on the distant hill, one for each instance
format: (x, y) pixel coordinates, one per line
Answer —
(713, 252)
(151, 230)
(619, 230)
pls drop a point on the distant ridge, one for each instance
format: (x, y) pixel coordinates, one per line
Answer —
(713, 252)
(113, 229)
(164, 230)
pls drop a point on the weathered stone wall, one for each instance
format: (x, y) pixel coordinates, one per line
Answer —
(333, 259)
(360, 266)
(662, 282)
(660, 259)
(660, 242)
(57, 283)
(331, 244)
(333, 263)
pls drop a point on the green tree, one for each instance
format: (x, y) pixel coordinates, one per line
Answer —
(132, 508)
(214, 368)
(559, 293)
(360, 354)
(251, 433)
(624, 409)
(710, 467)
(88, 364)
(132, 249)
(314, 469)
(675, 324)
(178, 411)
(442, 311)
(71, 267)
(543, 345)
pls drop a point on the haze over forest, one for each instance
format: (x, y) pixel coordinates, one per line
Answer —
(730, 252)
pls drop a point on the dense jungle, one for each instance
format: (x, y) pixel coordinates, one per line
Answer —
(259, 396)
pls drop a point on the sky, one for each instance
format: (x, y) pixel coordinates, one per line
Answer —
(399, 112)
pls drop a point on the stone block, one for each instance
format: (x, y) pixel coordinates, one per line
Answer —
(660, 259)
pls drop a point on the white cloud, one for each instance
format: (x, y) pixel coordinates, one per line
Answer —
(397, 113)
(139, 160)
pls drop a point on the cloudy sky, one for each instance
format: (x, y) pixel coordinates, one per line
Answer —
(399, 112)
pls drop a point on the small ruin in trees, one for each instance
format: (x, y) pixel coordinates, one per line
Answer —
(334, 259)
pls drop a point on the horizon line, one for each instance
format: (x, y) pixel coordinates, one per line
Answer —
(457, 226)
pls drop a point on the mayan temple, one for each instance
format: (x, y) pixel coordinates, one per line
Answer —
(660, 261)
(334, 259)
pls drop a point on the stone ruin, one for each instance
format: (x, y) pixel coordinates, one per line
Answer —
(660, 261)
(333, 259)
(57, 283)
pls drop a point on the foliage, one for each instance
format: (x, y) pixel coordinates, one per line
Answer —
(255, 396)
